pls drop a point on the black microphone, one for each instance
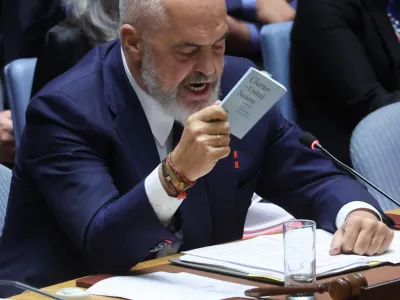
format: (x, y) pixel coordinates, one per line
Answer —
(308, 140)
(26, 287)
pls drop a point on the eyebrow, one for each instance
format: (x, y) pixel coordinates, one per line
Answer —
(189, 44)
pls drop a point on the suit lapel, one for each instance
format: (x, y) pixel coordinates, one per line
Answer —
(130, 121)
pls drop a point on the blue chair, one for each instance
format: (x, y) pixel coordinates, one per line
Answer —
(275, 46)
(5, 181)
(375, 152)
(18, 77)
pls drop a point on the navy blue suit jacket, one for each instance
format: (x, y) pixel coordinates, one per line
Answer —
(78, 204)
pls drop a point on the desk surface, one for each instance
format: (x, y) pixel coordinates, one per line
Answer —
(163, 264)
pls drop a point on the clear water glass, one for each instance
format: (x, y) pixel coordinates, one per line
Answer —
(299, 255)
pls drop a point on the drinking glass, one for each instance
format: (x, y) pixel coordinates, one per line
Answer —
(299, 255)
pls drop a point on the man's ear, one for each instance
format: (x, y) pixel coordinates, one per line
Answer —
(132, 42)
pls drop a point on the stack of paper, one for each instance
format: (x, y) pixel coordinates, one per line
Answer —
(168, 286)
(263, 256)
(264, 218)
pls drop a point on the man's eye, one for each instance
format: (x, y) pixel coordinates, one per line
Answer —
(218, 48)
(186, 54)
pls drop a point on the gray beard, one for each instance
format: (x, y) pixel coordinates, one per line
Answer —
(168, 99)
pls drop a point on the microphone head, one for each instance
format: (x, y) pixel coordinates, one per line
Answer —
(308, 140)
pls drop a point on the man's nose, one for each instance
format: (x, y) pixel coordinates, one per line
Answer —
(205, 64)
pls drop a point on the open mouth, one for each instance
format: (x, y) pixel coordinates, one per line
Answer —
(197, 87)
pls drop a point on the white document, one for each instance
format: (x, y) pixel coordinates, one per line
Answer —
(265, 255)
(168, 286)
(250, 99)
(263, 215)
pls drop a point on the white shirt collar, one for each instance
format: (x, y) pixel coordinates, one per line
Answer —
(160, 122)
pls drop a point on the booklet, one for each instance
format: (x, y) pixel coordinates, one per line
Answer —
(250, 99)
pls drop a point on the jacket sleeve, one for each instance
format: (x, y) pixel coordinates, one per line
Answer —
(325, 39)
(303, 181)
(242, 9)
(66, 155)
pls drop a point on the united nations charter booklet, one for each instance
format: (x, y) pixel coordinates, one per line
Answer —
(250, 99)
(262, 258)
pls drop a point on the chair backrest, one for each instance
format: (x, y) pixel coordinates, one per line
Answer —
(18, 78)
(5, 181)
(375, 152)
(275, 46)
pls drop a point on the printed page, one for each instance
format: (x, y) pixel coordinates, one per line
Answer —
(168, 286)
(266, 253)
(263, 215)
(246, 271)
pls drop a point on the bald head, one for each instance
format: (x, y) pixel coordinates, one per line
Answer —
(153, 14)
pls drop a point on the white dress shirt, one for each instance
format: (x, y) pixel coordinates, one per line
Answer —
(161, 126)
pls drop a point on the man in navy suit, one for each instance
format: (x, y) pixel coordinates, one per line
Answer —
(91, 191)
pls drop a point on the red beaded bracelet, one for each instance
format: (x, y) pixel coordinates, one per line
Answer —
(179, 174)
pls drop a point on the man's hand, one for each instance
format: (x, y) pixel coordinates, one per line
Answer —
(200, 148)
(274, 11)
(362, 234)
(7, 143)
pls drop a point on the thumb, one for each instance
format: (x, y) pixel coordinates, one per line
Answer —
(336, 243)
(218, 102)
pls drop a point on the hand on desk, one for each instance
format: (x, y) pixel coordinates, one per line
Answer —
(363, 234)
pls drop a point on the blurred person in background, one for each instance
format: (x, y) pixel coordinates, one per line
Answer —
(89, 23)
(345, 64)
(23, 26)
(246, 18)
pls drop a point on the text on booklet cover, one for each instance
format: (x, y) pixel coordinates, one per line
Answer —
(250, 99)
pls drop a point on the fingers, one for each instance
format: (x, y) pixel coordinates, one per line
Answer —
(351, 232)
(220, 152)
(381, 233)
(336, 243)
(218, 140)
(363, 236)
(363, 242)
(6, 137)
(210, 113)
(386, 242)
(6, 125)
(219, 127)
(5, 114)
(198, 128)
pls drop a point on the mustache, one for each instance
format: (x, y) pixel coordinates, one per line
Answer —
(197, 78)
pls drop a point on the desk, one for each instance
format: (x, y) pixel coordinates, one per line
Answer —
(373, 275)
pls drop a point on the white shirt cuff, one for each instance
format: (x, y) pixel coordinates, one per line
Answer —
(352, 206)
(163, 205)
